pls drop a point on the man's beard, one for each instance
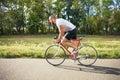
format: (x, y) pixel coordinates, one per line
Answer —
(52, 23)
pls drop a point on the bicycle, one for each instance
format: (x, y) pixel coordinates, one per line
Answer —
(55, 54)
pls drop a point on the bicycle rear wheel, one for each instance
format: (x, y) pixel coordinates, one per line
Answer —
(88, 55)
(55, 55)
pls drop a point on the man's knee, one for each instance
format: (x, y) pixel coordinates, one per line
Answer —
(64, 40)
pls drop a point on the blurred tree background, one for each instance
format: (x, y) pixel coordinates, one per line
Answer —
(93, 17)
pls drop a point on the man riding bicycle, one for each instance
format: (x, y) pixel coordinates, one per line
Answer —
(67, 31)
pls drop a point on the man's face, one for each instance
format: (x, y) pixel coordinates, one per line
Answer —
(50, 20)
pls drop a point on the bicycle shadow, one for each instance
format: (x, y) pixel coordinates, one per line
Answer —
(93, 69)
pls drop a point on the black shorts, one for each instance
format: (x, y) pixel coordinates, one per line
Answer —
(71, 34)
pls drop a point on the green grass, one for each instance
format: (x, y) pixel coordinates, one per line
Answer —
(35, 46)
(107, 46)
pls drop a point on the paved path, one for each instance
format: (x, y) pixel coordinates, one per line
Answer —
(39, 69)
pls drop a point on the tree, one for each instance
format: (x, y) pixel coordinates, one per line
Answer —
(31, 16)
(36, 17)
(114, 22)
(2, 15)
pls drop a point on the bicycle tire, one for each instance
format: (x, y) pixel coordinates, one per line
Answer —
(55, 55)
(88, 55)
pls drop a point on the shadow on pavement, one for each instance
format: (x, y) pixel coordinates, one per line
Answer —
(93, 69)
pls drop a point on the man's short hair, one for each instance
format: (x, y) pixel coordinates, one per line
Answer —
(53, 16)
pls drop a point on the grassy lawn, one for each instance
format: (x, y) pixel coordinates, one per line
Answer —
(34, 46)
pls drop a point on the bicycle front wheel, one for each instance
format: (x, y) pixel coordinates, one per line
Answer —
(88, 55)
(55, 55)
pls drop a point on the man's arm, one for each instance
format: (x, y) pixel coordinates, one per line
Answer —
(61, 33)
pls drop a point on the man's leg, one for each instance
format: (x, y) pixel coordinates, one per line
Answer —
(67, 42)
(75, 42)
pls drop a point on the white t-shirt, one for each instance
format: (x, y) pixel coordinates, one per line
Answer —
(68, 26)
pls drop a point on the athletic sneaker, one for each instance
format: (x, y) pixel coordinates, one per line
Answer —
(75, 51)
(74, 54)
(75, 57)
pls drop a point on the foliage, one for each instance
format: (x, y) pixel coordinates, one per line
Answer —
(31, 16)
(114, 21)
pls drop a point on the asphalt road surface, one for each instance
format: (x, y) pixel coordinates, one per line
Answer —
(39, 69)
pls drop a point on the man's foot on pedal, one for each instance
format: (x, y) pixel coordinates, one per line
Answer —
(75, 51)
(75, 55)
(76, 58)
